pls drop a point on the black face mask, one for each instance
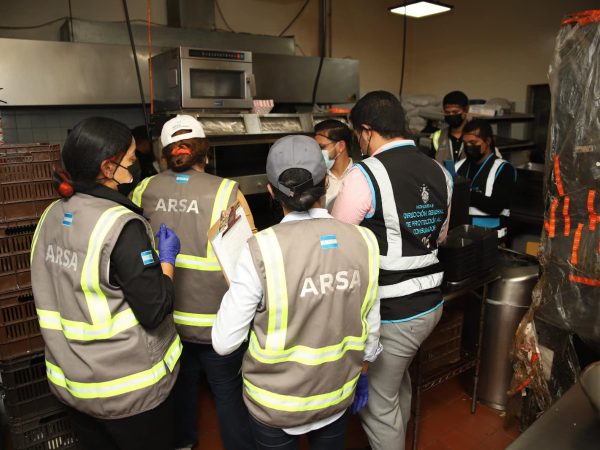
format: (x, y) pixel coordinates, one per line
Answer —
(473, 152)
(454, 120)
(136, 175)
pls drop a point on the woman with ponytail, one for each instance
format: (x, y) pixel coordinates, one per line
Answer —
(190, 201)
(104, 297)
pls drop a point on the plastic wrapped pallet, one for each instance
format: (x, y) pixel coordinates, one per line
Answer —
(568, 291)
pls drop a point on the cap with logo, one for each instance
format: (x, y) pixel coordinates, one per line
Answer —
(179, 123)
(295, 152)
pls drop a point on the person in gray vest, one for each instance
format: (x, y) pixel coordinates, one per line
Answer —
(190, 201)
(446, 143)
(104, 297)
(306, 291)
(492, 178)
(404, 197)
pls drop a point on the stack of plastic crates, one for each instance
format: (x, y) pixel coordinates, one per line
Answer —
(468, 251)
(36, 418)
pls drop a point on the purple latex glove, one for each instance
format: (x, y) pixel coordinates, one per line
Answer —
(168, 245)
(362, 394)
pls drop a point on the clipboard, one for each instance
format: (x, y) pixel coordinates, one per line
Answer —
(228, 236)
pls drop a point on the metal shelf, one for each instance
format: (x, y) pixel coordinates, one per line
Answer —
(467, 361)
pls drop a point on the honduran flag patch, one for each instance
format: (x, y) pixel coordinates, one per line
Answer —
(328, 242)
(68, 219)
(147, 257)
(182, 179)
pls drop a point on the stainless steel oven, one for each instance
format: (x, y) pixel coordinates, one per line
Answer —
(198, 78)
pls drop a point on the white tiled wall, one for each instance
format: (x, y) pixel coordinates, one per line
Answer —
(27, 125)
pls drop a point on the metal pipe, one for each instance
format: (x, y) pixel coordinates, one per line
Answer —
(331, 28)
(323, 48)
(137, 69)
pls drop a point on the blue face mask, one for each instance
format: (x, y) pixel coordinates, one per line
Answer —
(328, 161)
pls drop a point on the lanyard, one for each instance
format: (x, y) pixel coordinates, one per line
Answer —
(482, 166)
(462, 144)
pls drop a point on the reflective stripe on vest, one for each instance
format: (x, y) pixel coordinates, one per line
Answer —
(276, 289)
(436, 139)
(197, 263)
(489, 187)
(103, 325)
(210, 262)
(275, 351)
(139, 190)
(194, 320)
(411, 286)
(38, 228)
(90, 275)
(291, 403)
(394, 259)
(119, 386)
(221, 202)
(81, 331)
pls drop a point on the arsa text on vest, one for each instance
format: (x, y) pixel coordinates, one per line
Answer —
(326, 283)
(62, 257)
(174, 205)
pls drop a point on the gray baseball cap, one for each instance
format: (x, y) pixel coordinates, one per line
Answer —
(295, 152)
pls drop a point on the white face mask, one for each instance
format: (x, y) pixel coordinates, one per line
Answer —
(328, 161)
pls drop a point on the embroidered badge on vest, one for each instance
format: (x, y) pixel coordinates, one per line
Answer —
(424, 193)
(147, 257)
(182, 179)
(328, 242)
(68, 220)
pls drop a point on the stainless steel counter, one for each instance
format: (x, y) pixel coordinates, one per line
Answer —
(570, 424)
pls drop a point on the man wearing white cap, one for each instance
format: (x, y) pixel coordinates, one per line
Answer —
(189, 200)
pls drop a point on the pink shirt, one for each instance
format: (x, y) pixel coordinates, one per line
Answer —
(355, 200)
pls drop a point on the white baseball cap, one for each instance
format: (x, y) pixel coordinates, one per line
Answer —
(181, 123)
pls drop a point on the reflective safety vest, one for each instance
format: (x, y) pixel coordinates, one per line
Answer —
(411, 196)
(99, 359)
(443, 146)
(307, 342)
(483, 219)
(190, 203)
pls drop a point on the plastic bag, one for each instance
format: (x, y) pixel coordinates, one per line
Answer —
(570, 250)
(567, 297)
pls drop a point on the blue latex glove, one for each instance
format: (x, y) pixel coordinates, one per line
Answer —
(362, 394)
(168, 245)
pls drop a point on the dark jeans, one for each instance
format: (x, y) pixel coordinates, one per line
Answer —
(225, 380)
(149, 430)
(330, 437)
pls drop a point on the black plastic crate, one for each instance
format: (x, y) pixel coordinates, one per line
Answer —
(26, 389)
(468, 251)
(20, 332)
(52, 431)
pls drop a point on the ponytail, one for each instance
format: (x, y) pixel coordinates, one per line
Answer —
(304, 200)
(62, 183)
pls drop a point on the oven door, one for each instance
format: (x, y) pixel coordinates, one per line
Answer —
(215, 84)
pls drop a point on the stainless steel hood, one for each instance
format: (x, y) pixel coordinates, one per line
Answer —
(165, 38)
(43, 73)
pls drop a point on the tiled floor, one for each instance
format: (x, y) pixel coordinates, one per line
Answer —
(447, 423)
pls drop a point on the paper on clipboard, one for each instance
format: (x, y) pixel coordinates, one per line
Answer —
(228, 237)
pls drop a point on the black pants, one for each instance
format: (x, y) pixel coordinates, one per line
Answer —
(225, 380)
(149, 430)
(330, 437)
